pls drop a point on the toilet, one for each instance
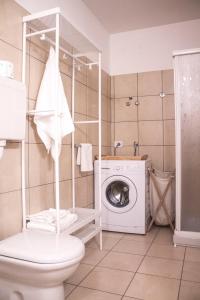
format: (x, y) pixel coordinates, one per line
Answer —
(34, 265)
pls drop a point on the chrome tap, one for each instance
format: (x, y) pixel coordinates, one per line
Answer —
(135, 147)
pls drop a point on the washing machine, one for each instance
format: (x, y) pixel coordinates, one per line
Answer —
(125, 195)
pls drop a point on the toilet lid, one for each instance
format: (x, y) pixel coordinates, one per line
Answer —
(42, 247)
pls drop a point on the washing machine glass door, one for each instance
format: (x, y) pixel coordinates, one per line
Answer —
(119, 194)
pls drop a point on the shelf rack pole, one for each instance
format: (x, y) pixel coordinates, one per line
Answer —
(73, 136)
(56, 165)
(23, 154)
(100, 141)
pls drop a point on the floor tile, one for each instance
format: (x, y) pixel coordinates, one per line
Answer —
(80, 273)
(82, 293)
(150, 287)
(93, 256)
(133, 247)
(108, 280)
(129, 298)
(164, 237)
(192, 254)
(122, 261)
(112, 234)
(108, 242)
(68, 288)
(191, 271)
(166, 251)
(161, 267)
(189, 291)
(142, 237)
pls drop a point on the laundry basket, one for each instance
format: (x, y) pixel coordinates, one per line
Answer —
(162, 197)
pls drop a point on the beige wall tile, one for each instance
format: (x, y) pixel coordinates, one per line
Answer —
(11, 22)
(168, 107)
(92, 78)
(36, 71)
(92, 103)
(150, 108)
(125, 85)
(7, 52)
(40, 165)
(92, 134)
(41, 198)
(10, 214)
(169, 132)
(104, 79)
(127, 136)
(150, 133)
(80, 130)
(80, 98)
(104, 108)
(81, 75)
(155, 154)
(149, 83)
(65, 194)
(112, 110)
(124, 112)
(106, 134)
(90, 190)
(112, 87)
(168, 81)
(125, 150)
(38, 49)
(108, 109)
(169, 158)
(81, 192)
(65, 162)
(10, 168)
(67, 85)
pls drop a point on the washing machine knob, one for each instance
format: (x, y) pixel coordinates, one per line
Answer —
(118, 168)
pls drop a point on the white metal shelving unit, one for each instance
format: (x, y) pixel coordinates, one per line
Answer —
(53, 28)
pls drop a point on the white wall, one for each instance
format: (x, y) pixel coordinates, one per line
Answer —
(151, 49)
(78, 14)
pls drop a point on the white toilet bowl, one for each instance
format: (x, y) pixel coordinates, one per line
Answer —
(34, 265)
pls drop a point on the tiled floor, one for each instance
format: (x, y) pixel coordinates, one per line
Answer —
(136, 267)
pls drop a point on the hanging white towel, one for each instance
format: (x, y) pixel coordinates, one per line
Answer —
(84, 157)
(51, 96)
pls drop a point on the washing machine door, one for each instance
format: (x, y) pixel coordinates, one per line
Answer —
(119, 194)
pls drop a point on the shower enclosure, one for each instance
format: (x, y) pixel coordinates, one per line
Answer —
(187, 107)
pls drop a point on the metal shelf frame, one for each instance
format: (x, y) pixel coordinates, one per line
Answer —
(85, 215)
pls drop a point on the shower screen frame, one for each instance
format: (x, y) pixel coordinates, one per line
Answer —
(182, 237)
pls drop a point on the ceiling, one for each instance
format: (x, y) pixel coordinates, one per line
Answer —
(124, 15)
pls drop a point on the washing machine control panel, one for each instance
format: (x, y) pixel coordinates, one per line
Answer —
(118, 168)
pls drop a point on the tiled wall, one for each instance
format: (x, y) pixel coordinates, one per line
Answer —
(147, 118)
(39, 165)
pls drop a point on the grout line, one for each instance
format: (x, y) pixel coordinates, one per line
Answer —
(181, 274)
(141, 262)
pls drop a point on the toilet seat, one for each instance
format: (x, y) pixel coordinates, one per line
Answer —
(42, 247)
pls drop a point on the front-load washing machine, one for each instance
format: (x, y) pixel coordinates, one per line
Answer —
(125, 195)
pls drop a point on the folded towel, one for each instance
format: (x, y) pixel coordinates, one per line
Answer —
(51, 96)
(84, 157)
(64, 223)
(48, 216)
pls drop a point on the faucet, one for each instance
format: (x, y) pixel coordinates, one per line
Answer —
(135, 147)
(115, 148)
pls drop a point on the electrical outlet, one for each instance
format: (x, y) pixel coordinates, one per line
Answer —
(118, 144)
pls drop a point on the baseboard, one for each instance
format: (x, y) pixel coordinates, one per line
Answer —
(187, 238)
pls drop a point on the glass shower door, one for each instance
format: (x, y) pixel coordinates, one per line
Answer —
(187, 76)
